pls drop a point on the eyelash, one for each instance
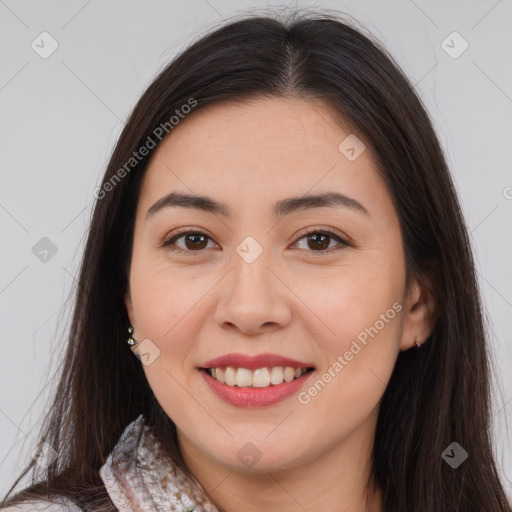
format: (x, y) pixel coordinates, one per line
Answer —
(167, 242)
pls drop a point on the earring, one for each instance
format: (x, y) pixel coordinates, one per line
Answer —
(418, 344)
(131, 341)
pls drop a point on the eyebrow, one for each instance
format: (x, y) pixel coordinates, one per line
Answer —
(281, 208)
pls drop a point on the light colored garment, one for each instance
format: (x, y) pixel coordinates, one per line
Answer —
(140, 478)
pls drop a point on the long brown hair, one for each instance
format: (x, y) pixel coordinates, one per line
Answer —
(435, 396)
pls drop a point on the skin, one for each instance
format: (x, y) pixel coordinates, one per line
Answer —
(292, 300)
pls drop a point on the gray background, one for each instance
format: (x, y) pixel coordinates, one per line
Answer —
(60, 117)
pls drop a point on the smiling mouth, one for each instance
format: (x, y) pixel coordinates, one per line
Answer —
(259, 378)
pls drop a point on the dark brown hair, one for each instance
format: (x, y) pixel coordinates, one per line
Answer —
(435, 396)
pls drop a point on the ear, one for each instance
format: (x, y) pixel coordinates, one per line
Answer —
(129, 306)
(419, 313)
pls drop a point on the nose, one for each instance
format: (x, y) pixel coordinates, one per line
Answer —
(252, 299)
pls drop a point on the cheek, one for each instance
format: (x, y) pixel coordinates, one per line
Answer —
(346, 300)
(360, 313)
(165, 297)
(169, 307)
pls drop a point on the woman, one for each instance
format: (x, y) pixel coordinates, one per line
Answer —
(278, 240)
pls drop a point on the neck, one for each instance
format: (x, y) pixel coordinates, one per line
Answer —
(335, 479)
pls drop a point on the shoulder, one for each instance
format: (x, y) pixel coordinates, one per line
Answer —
(64, 505)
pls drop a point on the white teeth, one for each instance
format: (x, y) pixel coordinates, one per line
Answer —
(288, 374)
(260, 378)
(219, 374)
(243, 377)
(276, 375)
(230, 376)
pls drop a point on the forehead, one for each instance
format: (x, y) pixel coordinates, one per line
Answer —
(261, 150)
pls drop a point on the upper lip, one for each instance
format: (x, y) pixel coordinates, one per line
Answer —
(254, 362)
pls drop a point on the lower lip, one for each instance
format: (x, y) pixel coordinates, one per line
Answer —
(254, 397)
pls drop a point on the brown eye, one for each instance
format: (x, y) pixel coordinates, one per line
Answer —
(193, 241)
(319, 241)
(197, 241)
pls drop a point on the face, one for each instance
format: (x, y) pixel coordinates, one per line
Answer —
(322, 283)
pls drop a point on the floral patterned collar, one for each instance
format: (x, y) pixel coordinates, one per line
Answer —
(140, 478)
